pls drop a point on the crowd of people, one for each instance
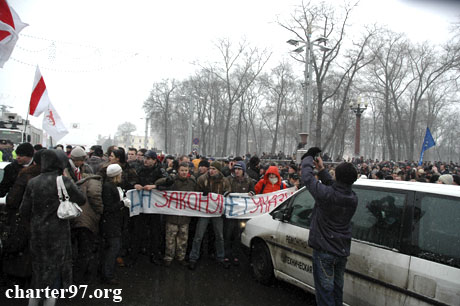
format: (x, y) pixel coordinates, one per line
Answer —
(40, 250)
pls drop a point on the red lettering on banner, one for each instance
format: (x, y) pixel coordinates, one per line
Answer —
(258, 204)
(271, 201)
(182, 202)
(219, 204)
(189, 201)
(173, 198)
(167, 203)
(202, 199)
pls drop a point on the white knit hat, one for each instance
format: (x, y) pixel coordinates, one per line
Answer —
(447, 179)
(113, 170)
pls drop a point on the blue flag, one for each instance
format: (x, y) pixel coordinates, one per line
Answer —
(428, 142)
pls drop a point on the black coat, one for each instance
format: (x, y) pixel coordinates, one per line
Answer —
(111, 221)
(335, 205)
(149, 175)
(9, 177)
(50, 244)
(16, 260)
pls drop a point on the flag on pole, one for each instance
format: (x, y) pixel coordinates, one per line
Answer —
(10, 26)
(39, 99)
(428, 142)
(40, 103)
(53, 124)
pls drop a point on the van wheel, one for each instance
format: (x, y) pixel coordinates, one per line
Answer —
(261, 263)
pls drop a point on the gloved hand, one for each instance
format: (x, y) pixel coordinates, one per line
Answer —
(205, 193)
(226, 193)
(251, 193)
(313, 151)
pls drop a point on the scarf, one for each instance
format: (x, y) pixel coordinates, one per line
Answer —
(76, 170)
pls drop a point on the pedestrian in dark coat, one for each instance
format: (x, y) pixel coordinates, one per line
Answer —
(16, 260)
(25, 153)
(177, 226)
(148, 226)
(111, 222)
(330, 229)
(239, 183)
(50, 244)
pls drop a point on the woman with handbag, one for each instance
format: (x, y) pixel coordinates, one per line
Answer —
(50, 243)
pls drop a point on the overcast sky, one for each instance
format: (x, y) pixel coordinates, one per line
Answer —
(100, 58)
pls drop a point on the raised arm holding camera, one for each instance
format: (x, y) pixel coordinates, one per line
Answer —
(330, 230)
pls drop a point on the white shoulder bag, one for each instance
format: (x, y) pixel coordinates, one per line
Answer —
(67, 209)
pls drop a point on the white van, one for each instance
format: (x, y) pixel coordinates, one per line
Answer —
(405, 248)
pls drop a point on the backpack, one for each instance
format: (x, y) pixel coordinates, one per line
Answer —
(263, 187)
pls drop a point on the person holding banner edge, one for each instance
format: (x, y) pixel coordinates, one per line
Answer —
(239, 183)
(215, 182)
(177, 226)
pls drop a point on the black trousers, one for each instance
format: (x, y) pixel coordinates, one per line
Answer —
(84, 254)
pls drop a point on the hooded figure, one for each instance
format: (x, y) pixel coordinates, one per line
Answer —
(265, 185)
(50, 236)
(16, 260)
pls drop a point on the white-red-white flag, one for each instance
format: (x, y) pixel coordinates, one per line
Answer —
(39, 99)
(10, 26)
(53, 124)
(40, 103)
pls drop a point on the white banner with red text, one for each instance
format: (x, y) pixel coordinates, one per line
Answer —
(195, 204)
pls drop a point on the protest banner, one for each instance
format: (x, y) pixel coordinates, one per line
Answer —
(195, 204)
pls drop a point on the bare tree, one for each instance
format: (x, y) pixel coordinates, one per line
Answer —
(240, 68)
(124, 131)
(304, 23)
(158, 105)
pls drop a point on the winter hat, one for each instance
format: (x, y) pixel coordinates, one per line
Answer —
(253, 162)
(446, 179)
(456, 179)
(217, 165)
(150, 154)
(113, 170)
(240, 165)
(25, 149)
(78, 154)
(204, 163)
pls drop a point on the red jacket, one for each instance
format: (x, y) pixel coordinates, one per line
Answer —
(269, 187)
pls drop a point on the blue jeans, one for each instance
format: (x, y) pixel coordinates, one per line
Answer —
(113, 246)
(218, 225)
(328, 270)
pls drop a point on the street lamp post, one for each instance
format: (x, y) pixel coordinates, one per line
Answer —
(358, 108)
(190, 123)
(146, 131)
(307, 46)
(190, 126)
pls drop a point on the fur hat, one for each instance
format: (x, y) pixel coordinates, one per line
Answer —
(204, 163)
(217, 165)
(456, 179)
(78, 153)
(113, 170)
(25, 149)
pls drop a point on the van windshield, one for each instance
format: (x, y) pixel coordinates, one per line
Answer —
(14, 135)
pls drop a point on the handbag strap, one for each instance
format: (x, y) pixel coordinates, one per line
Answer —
(62, 191)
